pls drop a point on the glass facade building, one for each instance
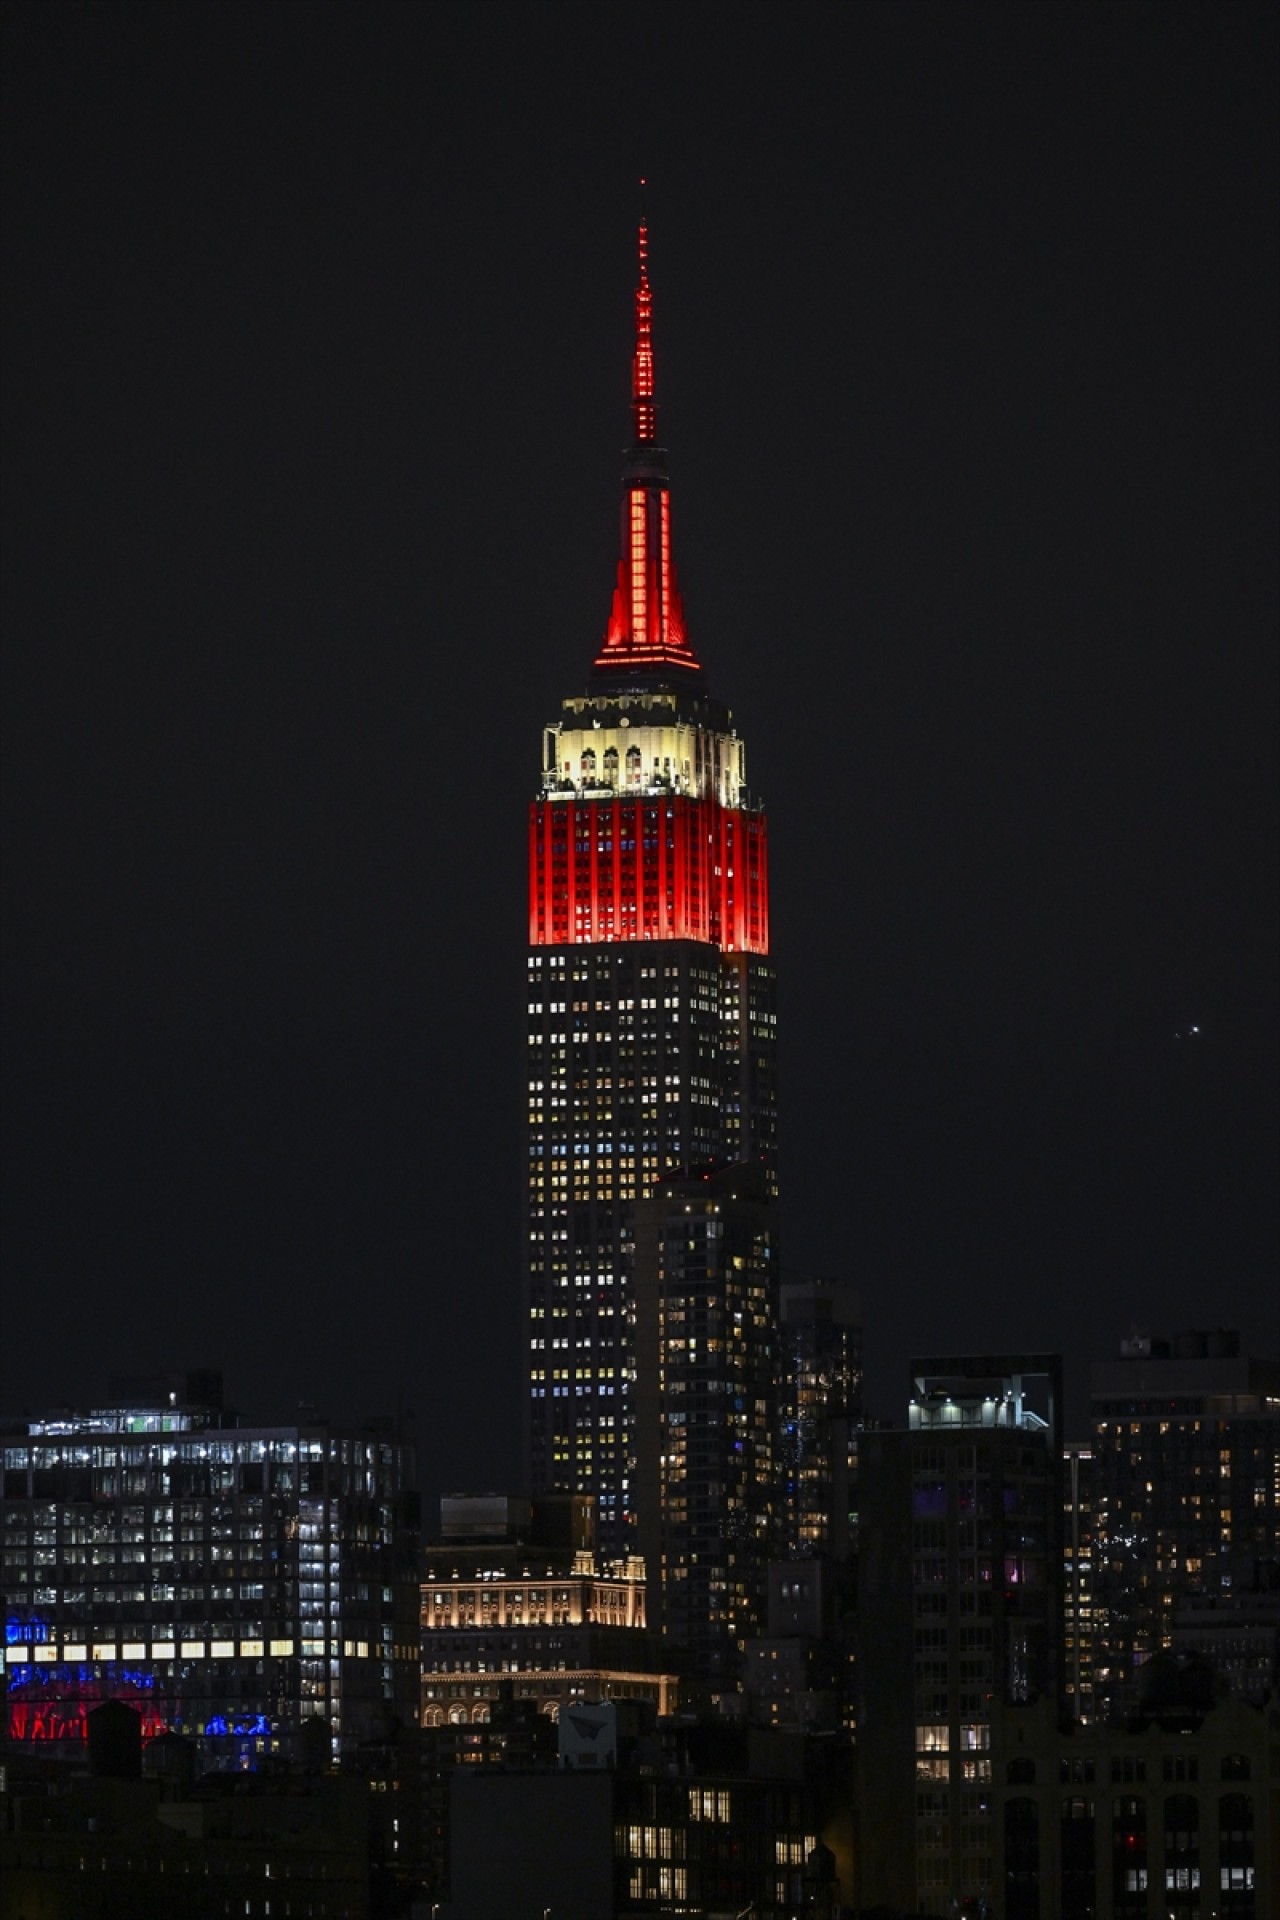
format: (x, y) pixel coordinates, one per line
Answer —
(229, 1582)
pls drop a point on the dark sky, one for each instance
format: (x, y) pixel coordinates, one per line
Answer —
(315, 385)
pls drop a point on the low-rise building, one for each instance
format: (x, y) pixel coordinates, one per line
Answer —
(115, 1844)
(697, 1819)
(514, 1599)
(1176, 1814)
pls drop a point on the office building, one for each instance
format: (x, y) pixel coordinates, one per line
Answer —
(1237, 1634)
(1079, 1605)
(819, 1411)
(1186, 1447)
(706, 1412)
(230, 1582)
(958, 1607)
(796, 1669)
(651, 1022)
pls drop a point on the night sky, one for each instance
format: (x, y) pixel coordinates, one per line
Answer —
(315, 387)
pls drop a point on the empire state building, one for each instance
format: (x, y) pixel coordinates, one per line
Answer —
(652, 1029)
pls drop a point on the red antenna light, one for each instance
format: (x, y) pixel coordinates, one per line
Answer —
(646, 622)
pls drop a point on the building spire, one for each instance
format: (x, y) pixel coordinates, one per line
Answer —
(646, 622)
(643, 405)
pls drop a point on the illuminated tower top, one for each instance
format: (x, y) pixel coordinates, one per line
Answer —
(646, 622)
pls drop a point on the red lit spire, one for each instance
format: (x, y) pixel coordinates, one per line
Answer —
(646, 622)
(642, 401)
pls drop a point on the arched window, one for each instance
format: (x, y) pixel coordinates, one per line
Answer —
(1236, 1856)
(1021, 1859)
(457, 1716)
(552, 1710)
(611, 766)
(1079, 1874)
(480, 1716)
(1129, 1858)
(1182, 1853)
(633, 766)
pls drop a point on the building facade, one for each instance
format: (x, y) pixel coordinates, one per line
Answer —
(819, 1412)
(651, 1017)
(958, 1608)
(229, 1582)
(707, 1821)
(1173, 1817)
(1186, 1459)
(516, 1605)
(1079, 1600)
(710, 1512)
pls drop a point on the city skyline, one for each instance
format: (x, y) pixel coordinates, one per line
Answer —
(966, 337)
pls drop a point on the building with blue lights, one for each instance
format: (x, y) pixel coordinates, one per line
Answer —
(229, 1582)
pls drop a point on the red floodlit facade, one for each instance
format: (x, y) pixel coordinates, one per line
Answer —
(644, 831)
(58, 1721)
(674, 869)
(652, 1031)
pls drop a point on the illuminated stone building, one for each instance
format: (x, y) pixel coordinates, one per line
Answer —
(515, 1605)
(229, 1582)
(651, 1022)
(1186, 1449)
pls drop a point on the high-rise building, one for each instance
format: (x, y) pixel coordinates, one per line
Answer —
(706, 1405)
(1186, 1440)
(1079, 1609)
(820, 1408)
(229, 1582)
(650, 991)
(959, 1563)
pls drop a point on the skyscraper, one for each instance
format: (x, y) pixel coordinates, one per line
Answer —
(652, 1026)
(1186, 1440)
(706, 1406)
(820, 1389)
(960, 1545)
